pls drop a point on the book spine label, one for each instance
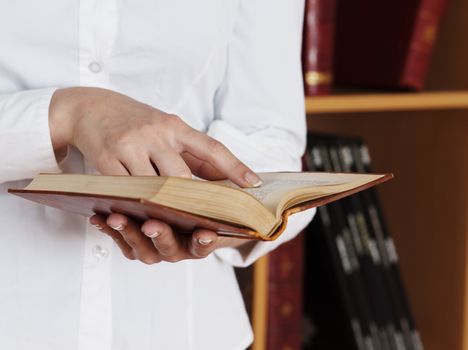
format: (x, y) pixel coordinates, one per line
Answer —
(317, 53)
(421, 46)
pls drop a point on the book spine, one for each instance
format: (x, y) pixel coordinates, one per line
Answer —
(386, 246)
(343, 265)
(317, 52)
(366, 275)
(372, 260)
(348, 271)
(368, 256)
(285, 286)
(326, 317)
(425, 32)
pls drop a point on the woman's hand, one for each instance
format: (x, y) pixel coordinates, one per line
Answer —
(155, 241)
(121, 136)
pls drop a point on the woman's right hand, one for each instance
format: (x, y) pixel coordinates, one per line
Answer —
(121, 136)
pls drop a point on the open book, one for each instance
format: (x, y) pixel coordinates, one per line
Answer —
(187, 204)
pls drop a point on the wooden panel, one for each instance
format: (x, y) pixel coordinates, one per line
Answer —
(426, 206)
(387, 102)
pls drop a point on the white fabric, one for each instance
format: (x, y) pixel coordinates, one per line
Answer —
(230, 68)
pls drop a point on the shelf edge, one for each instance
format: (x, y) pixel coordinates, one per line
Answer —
(387, 102)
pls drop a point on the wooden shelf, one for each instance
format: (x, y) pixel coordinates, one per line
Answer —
(387, 102)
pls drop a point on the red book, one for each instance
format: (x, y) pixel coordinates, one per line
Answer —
(385, 44)
(285, 282)
(317, 51)
(278, 301)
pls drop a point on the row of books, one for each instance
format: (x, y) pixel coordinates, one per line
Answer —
(337, 285)
(367, 44)
(353, 293)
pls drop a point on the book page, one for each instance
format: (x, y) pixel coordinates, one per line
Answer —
(282, 190)
(276, 185)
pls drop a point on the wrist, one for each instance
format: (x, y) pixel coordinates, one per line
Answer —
(63, 111)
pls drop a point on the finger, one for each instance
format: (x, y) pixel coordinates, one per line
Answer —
(201, 168)
(111, 167)
(142, 247)
(138, 164)
(165, 240)
(100, 223)
(203, 243)
(214, 152)
(170, 163)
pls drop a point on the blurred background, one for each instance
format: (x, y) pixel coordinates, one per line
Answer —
(389, 78)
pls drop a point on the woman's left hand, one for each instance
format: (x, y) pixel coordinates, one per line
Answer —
(156, 241)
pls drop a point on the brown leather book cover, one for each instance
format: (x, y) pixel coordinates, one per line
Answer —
(317, 50)
(141, 209)
(385, 44)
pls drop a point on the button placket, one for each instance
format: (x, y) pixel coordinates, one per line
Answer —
(98, 30)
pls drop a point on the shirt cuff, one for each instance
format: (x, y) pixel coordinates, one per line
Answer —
(296, 223)
(26, 146)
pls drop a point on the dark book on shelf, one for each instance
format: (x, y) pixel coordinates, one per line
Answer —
(389, 337)
(371, 260)
(385, 44)
(386, 247)
(364, 247)
(338, 234)
(317, 51)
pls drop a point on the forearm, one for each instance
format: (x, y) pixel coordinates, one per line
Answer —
(25, 143)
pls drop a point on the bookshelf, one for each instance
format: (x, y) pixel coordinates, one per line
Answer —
(423, 139)
(426, 206)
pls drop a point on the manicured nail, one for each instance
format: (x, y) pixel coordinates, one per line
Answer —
(152, 234)
(204, 241)
(118, 228)
(253, 179)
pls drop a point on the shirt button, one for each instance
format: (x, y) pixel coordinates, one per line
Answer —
(94, 67)
(100, 252)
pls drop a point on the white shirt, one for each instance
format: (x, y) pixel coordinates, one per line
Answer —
(230, 68)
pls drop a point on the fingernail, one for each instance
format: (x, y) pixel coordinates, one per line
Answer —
(253, 179)
(204, 241)
(152, 234)
(99, 227)
(118, 228)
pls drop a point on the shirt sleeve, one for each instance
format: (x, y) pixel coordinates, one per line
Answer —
(260, 104)
(25, 142)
